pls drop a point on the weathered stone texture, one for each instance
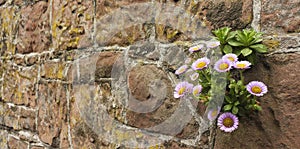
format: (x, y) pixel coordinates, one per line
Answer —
(280, 16)
(19, 85)
(34, 28)
(27, 119)
(146, 50)
(105, 64)
(64, 73)
(52, 113)
(236, 14)
(54, 70)
(74, 31)
(9, 23)
(82, 135)
(143, 87)
(9, 116)
(14, 143)
(3, 139)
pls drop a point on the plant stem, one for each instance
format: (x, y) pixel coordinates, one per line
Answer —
(241, 75)
(206, 76)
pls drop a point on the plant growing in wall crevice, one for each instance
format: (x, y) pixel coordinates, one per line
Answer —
(245, 43)
(217, 79)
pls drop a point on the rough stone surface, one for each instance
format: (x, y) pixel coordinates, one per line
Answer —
(20, 85)
(10, 116)
(70, 69)
(277, 125)
(105, 64)
(54, 70)
(52, 116)
(3, 139)
(9, 22)
(236, 14)
(280, 16)
(82, 135)
(14, 143)
(74, 31)
(142, 87)
(27, 120)
(34, 30)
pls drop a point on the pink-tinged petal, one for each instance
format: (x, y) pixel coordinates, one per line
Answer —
(223, 65)
(181, 69)
(196, 48)
(257, 88)
(201, 63)
(231, 57)
(228, 122)
(242, 65)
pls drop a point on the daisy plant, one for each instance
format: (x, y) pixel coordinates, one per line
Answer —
(207, 74)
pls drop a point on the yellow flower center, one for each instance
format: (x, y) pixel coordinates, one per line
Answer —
(228, 122)
(181, 70)
(201, 64)
(256, 89)
(181, 90)
(240, 65)
(223, 66)
(214, 113)
(196, 91)
(231, 59)
(195, 48)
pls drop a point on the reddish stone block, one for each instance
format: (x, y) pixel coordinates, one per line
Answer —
(34, 30)
(190, 131)
(74, 31)
(126, 29)
(14, 143)
(9, 116)
(280, 16)
(19, 85)
(234, 14)
(54, 70)
(27, 119)
(82, 134)
(143, 88)
(105, 63)
(52, 113)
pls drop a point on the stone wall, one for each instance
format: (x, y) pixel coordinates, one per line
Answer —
(65, 64)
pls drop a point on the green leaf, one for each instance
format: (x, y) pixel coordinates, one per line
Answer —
(235, 43)
(237, 52)
(236, 89)
(231, 86)
(227, 107)
(257, 107)
(259, 48)
(228, 99)
(227, 49)
(235, 110)
(248, 96)
(242, 37)
(246, 52)
(231, 35)
(256, 40)
(236, 103)
(240, 83)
